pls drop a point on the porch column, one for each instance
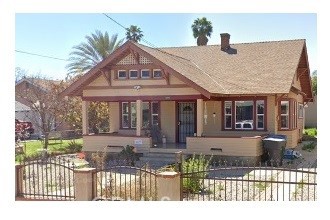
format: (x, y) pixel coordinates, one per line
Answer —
(200, 117)
(85, 105)
(114, 117)
(138, 117)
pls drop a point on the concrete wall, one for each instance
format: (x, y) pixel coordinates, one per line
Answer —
(243, 146)
(100, 142)
(311, 114)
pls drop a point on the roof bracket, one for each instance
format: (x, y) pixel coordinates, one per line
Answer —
(106, 75)
(278, 98)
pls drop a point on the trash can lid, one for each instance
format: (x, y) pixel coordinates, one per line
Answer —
(277, 136)
(274, 139)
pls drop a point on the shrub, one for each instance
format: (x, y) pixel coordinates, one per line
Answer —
(128, 154)
(195, 167)
(73, 147)
(309, 146)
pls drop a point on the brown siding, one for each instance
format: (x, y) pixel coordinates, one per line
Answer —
(230, 146)
(100, 143)
(167, 120)
(99, 81)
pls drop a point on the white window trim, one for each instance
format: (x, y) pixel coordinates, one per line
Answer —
(143, 77)
(122, 77)
(153, 73)
(231, 114)
(122, 114)
(287, 115)
(134, 76)
(263, 115)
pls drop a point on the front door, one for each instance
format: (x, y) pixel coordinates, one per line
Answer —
(186, 120)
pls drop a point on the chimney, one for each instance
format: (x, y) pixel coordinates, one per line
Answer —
(225, 41)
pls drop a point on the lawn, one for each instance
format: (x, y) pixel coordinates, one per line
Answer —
(33, 147)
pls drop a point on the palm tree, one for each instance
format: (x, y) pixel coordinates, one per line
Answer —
(86, 55)
(134, 33)
(202, 29)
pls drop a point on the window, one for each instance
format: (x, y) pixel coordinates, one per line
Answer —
(157, 74)
(244, 114)
(133, 74)
(228, 115)
(154, 113)
(133, 114)
(122, 74)
(260, 114)
(301, 111)
(284, 114)
(294, 114)
(145, 74)
(150, 114)
(125, 113)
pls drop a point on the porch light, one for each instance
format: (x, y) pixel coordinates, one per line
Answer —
(137, 87)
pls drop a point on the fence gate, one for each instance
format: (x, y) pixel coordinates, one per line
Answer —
(122, 183)
(47, 179)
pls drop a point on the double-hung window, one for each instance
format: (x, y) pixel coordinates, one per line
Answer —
(228, 115)
(285, 110)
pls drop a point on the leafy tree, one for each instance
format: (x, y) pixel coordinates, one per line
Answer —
(43, 97)
(314, 82)
(202, 28)
(134, 33)
(88, 54)
(98, 116)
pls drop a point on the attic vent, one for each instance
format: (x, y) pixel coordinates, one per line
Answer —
(128, 60)
(144, 60)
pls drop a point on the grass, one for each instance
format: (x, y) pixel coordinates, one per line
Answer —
(33, 147)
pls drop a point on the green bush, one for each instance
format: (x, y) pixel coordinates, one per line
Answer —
(128, 154)
(310, 132)
(193, 183)
(309, 146)
(73, 147)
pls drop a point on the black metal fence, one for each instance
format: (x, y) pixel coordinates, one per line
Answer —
(122, 182)
(47, 179)
(222, 181)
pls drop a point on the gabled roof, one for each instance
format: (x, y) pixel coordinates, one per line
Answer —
(247, 68)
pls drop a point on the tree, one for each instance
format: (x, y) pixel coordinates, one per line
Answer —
(134, 33)
(314, 82)
(42, 96)
(87, 55)
(19, 74)
(202, 28)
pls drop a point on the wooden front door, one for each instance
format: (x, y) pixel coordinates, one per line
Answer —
(186, 120)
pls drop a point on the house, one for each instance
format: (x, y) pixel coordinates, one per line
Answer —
(28, 93)
(216, 99)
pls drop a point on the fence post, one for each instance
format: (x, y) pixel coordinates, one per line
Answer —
(178, 166)
(168, 186)
(18, 179)
(84, 184)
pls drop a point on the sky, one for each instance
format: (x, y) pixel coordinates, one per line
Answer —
(54, 34)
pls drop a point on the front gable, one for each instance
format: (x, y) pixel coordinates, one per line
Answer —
(128, 57)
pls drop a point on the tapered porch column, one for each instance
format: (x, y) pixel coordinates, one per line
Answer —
(200, 116)
(85, 105)
(138, 117)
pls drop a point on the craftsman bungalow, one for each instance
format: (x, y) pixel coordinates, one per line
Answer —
(216, 99)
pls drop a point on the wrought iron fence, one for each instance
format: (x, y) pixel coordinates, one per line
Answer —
(222, 181)
(122, 182)
(47, 179)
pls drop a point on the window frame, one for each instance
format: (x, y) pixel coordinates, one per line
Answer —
(259, 114)
(232, 100)
(284, 115)
(242, 124)
(158, 77)
(118, 77)
(135, 77)
(225, 115)
(154, 114)
(142, 77)
(302, 110)
(129, 114)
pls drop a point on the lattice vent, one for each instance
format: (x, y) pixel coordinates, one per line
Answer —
(129, 59)
(144, 60)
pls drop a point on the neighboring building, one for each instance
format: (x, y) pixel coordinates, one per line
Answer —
(216, 99)
(311, 114)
